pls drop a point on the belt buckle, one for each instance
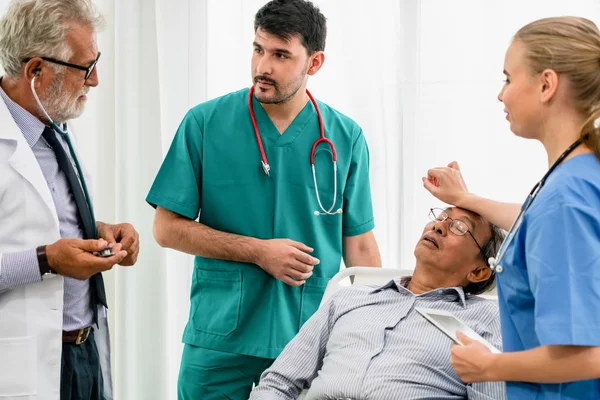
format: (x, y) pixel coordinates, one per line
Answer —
(82, 336)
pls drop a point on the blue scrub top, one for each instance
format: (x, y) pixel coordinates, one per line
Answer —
(549, 289)
(213, 172)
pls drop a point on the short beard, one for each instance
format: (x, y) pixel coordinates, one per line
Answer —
(59, 104)
(280, 97)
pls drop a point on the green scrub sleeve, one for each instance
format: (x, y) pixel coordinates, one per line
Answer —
(177, 186)
(358, 208)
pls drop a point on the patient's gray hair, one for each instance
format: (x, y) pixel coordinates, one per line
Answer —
(490, 249)
(39, 28)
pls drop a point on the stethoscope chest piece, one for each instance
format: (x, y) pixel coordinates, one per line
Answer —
(266, 167)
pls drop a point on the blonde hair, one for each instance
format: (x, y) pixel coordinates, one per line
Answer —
(39, 28)
(571, 47)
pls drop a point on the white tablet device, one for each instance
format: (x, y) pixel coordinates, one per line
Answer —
(449, 324)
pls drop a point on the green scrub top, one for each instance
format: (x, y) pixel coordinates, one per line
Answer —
(213, 170)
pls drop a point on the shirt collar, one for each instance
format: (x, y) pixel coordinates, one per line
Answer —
(450, 294)
(31, 127)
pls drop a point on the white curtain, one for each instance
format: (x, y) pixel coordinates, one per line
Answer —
(420, 76)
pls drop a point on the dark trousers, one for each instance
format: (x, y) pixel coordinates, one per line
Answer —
(80, 373)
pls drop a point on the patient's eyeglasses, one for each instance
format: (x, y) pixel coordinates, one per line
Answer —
(456, 226)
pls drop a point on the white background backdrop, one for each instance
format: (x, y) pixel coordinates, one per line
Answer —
(420, 77)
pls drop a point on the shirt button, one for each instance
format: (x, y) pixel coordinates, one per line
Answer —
(499, 269)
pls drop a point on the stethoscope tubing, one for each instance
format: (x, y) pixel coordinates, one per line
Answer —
(322, 139)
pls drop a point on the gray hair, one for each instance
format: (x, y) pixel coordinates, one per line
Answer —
(39, 28)
(490, 249)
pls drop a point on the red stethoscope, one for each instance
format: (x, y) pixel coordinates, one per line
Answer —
(321, 139)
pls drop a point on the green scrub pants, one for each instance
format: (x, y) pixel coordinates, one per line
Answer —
(209, 374)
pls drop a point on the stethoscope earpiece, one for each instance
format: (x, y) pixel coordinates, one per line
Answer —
(492, 263)
(338, 211)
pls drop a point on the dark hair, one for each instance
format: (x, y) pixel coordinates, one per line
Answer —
(490, 249)
(288, 18)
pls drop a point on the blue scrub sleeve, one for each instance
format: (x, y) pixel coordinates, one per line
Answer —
(563, 263)
(358, 208)
(177, 186)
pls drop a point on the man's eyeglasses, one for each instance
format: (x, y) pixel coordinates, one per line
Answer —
(88, 70)
(456, 226)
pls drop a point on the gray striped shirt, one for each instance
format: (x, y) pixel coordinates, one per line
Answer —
(369, 343)
(22, 268)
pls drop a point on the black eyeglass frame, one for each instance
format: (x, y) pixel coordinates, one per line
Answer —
(88, 70)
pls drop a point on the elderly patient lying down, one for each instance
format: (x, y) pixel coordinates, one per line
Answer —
(368, 342)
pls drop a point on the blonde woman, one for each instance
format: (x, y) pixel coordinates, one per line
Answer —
(549, 266)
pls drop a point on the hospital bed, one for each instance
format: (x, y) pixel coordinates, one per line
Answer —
(366, 276)
(362, 276)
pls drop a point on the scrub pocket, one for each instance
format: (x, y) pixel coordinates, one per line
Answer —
(217, 301)
(312, 293)
(18, 368)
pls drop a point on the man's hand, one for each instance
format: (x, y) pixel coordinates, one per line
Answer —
(126, 235)
(74, 258)
(472, 362)
(286, 260)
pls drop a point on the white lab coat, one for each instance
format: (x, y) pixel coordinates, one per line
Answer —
(31, 316)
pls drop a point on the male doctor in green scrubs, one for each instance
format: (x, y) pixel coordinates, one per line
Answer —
(263, 256)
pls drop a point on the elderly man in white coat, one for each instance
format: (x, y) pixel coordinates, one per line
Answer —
(53, 327)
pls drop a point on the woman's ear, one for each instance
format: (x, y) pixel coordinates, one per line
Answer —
(548, 85)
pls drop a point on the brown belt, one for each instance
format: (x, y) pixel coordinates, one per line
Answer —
(78, 336)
